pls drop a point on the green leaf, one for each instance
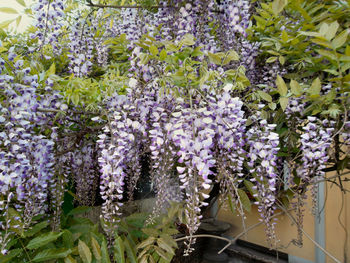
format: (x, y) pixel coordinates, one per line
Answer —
(315, 88)
(104, 251)
(283, 102)
(347, 50)
(249, 185)
(153, 49)
(282, 60)
(295, 87)
(68, 240)
(310, 34)
(188, 40)
(243, 197)
(36, 228)
(145, 243)
(119, 250)
(21, 2)
(271, 59)
(169, 240)
(10, 255)
(324, 29)
(328, 54)
(214, 58)
(265, 96)
(165, 246)
(340, 39)
(345, 67)
(52, 70)
(6, 23)
(272, 105)
(43, 239)
(281, 86)
(8, 10)
(131, 253)
(79, 210)
(18, 20)
(197, 52)
(278, 6)
(321, 42)
(332, 71)
(332, 30)
(345, 58)
(231, 204)
(164, 255)
(284, 36)
(69, 259)
(163, 54)
(84, 252)
(144, 58)
(51, 253)
(75, 98)
(230, 56)
(96, 249)
(136, 219)
(150, 231)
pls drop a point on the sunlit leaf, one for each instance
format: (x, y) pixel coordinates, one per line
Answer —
(153, 49)
(243, 197)
(188, 40)
(340, 39)
(96, 249)
(284, 103)
(281, 86)
(18, 20)
(295, 87)
(69, 259)
(8, 10)
(230, 56)
(6, 23)
(278, 6)
(21, 2)
(265, 96)
(315, 88)
(271, 59)
(84, 252)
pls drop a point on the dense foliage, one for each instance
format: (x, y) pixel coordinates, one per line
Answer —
(246, 100)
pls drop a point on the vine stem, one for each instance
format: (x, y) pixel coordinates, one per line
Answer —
(229, 241)
(202, 235)
(25, 250)
(308, 236)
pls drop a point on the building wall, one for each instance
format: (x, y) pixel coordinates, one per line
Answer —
(286, 231)
(337, 209)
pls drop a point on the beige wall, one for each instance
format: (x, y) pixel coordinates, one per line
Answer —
(286, 231)
(337, 205)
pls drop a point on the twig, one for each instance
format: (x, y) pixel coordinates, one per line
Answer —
(229, 241)
(308, 236)
(203, 235)
(330, 178)
(73, 111)
(247, 230)
(125, 6)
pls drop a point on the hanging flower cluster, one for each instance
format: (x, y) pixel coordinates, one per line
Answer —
(27, 157)
(49, 20)
(192, 136)
(202, 133)
(263, 162)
